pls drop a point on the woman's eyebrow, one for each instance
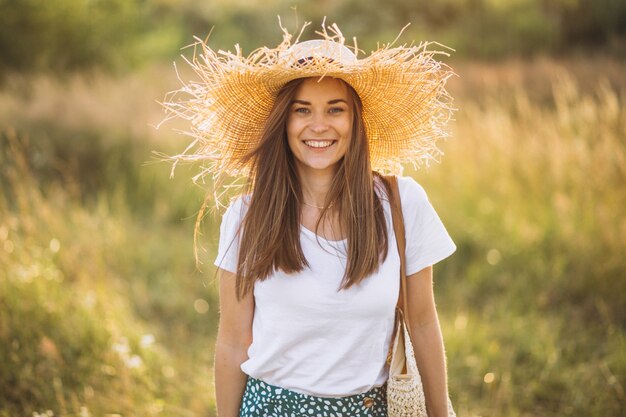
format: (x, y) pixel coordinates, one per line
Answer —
(307, 103)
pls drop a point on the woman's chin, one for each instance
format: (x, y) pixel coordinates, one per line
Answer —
(316, 166)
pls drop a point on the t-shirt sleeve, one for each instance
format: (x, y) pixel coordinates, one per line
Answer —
(427, 240)
(228, 249)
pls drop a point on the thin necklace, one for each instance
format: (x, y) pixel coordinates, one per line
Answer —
(314, 206)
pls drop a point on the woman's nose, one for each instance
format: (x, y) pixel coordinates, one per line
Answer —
(318, 124)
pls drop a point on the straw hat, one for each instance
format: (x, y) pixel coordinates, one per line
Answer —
(405, 104)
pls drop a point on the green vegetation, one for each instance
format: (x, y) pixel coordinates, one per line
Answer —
(102, 310)
(68, 35)
(534, 195)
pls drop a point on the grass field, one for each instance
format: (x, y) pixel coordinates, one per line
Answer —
(104, 313)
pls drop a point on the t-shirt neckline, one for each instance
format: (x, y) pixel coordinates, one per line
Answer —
(314, 235)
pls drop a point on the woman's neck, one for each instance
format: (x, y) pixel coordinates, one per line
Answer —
(315, 186)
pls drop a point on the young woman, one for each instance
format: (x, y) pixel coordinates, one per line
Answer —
(307, 262)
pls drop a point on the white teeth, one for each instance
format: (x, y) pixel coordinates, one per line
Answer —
(318, 143)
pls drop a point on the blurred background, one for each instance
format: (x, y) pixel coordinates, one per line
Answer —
(103, 311)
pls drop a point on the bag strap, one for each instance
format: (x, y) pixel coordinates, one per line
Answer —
(393, 193)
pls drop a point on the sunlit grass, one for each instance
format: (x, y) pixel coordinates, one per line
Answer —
(98, 300)
(533, 301)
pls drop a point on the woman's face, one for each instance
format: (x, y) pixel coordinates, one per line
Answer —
(319, 125)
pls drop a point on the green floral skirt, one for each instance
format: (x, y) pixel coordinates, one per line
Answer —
(263, 399)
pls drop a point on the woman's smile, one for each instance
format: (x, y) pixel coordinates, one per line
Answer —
(320, 144)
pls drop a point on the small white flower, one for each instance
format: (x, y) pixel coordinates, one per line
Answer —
(121, 347)
(134, 362)
(147, 340)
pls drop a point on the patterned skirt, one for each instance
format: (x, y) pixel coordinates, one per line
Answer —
(262, 399)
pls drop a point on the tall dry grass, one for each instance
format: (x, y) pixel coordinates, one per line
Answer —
(534, 192)
(546, 180)
(102, 313)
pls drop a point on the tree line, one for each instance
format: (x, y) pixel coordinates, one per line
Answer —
(68, 35)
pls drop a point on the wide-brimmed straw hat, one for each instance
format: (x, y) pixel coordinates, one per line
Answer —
(402, 89)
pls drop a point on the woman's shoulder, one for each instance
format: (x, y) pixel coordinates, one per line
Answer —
(410, 190)
(237, 207)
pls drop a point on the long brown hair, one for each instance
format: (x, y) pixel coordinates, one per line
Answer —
(270, 230)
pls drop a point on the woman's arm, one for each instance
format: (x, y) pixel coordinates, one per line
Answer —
(427, 341)
(234, 336)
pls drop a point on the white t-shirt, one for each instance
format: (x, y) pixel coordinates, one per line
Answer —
(311, 338)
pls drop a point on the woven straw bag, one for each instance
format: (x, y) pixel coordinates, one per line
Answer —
(405, 392)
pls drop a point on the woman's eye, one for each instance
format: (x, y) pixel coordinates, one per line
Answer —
(302, 110)
(336, 109)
